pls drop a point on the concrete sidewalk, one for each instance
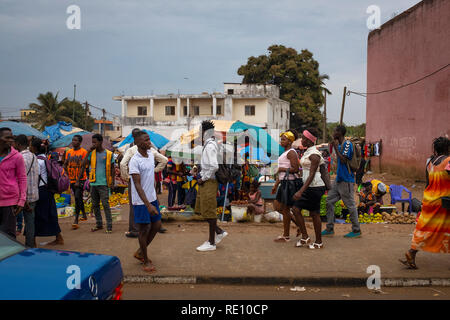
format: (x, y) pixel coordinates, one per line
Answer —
(249, 255)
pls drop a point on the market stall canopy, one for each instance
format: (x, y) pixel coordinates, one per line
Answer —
(86, 143)
(23, 128)
(261, 136)
(54, 132)
(193, 134)
(157, 140)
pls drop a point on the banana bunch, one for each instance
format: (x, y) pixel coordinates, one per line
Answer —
(220, 209)
(368, 218)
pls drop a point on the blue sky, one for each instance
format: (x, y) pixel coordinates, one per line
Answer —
(137, 47)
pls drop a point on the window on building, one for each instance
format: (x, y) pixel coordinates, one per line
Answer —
(170, 110)
(218, 109)
(230, 91)
(196, 110)
(249, 110)
(185, 111)
(142, 111)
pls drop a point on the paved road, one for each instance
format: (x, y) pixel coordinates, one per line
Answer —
(217, 292)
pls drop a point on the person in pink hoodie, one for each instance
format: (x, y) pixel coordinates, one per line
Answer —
(13, 183)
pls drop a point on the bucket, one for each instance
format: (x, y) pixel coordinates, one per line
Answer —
(238, 213)
(61, 211)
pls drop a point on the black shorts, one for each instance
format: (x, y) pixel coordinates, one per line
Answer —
(310, 199)
(290, 196)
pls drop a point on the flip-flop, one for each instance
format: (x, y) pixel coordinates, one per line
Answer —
(409, 262)
(75, 226)
(282, 239)
(149, 269)
(141, 259)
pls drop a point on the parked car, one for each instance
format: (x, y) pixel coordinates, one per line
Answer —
(43, 274)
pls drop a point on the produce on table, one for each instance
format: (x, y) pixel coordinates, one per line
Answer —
(385, 217)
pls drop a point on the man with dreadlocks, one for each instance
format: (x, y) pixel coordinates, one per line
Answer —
(206, 203)
(432, 231)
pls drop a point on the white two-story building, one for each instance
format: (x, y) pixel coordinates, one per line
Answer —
(255, 104)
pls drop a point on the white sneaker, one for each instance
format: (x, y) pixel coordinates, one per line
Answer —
(219, 237)
(206, 247)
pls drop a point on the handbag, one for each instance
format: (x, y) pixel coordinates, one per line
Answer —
(288, 188)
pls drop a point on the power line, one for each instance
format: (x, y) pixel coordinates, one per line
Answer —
(102, 109)
(400, 87)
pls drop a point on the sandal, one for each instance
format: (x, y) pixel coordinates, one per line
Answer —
(282, 239)
(149, 269)
(75, 226)
(83, 219)
(96, 228)
(409, 262)
(109, 231)
(316, 246)
(140, 258)
(302, 242)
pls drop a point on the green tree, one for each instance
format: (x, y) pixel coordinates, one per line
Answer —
(49, 111)
(358, 131)
(81, 118)
(297, 75)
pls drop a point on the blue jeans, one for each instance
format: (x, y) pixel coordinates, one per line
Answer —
(19, 221)
(181, 193)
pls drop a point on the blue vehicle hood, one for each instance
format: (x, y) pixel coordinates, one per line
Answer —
(41, 274)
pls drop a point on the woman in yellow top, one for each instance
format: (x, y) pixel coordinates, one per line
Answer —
(432, 231)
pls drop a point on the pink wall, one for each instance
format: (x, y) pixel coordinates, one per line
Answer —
(410, 46)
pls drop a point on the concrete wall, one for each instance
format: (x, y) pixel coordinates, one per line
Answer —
(159, 110)
(260, 117)
(253, 89)
(410, 46)
(132, 107)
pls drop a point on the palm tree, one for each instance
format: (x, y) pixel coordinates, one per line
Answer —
(325, 91)
(323, 77)
(49, 111)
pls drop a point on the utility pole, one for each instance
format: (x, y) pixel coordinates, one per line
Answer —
(86, 104)
(343, 104)
(73, 102)
(325, 117)
(103, 120)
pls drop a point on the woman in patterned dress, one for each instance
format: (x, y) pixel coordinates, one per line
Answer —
(432, 231)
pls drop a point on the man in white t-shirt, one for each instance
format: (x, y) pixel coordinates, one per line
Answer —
(145, 204)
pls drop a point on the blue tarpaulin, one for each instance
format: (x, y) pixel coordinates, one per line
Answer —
(22, 128)
(66, 140)
(158, 140)
(54, 132)
(263, 139)
(257, 154)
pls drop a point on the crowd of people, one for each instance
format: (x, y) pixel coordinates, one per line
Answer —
(28, 183)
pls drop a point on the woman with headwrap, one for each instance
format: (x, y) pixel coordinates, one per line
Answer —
(288, 182)
(310, 194)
